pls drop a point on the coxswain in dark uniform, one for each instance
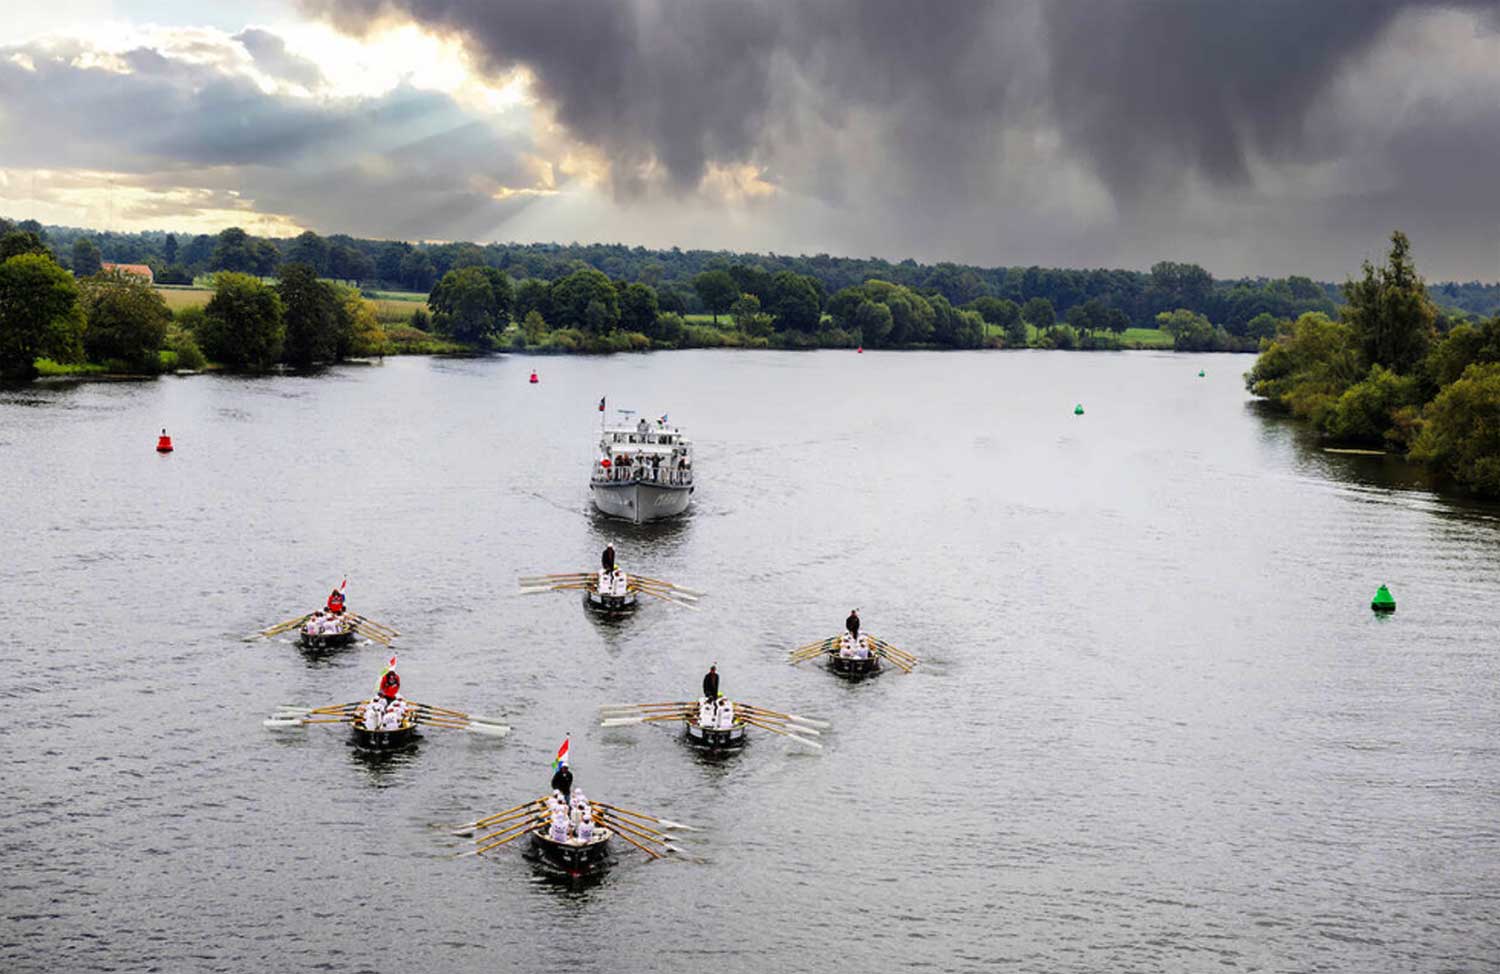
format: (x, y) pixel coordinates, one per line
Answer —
(336, 602)
(562, 780)
(711, 684)
(852, 623)
(608, 561)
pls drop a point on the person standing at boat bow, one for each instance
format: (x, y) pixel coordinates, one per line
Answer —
(711, 684)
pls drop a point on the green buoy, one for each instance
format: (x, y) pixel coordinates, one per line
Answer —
(1078, 410)
(1201, 373)
(1383, 601)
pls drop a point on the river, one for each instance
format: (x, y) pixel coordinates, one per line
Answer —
(1155, 728)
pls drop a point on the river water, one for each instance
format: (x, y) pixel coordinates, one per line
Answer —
(1156, 726)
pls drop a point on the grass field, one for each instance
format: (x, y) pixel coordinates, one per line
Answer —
(1146, 338)
(178, 298)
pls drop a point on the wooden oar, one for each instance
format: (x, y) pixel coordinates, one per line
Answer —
(371, 635)
(635, 711)
(667, 823)
(625, 828)
(819, 643)
(900, 664)
(650, 852)
(876, 640)
(279, 628)
(783, 733)
(459, 714)
(530, 813)
(372, 623)
(362, 625)
(794, 718)
(516, 834)
(527, 579)
(632, 706)
(488, 819)
(511, 825)
(671, 585)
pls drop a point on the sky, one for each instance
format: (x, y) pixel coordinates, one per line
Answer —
(1263, 139)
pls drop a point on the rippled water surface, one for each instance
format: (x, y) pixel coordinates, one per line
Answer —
(1156, 726)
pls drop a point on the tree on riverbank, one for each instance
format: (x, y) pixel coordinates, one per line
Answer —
(471, 304)
(39, 313)
(127, 322)
(1383, 376)
(242, 325)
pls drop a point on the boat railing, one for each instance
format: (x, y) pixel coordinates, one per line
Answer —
(643, 475)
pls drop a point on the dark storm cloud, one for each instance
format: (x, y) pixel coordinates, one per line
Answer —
(971, 126)
(272, 57)
(407, 162)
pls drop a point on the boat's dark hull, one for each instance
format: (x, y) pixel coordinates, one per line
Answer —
(610, 604)
(713, 739)
(384, 740)
(854, 666)
(325, 641)
(573, 858)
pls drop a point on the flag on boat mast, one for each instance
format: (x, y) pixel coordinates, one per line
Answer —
(562, 756)
(601, 404)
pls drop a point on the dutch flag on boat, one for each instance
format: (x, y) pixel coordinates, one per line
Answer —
(601, 404)
(562, 755)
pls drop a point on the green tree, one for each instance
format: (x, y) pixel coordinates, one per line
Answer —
(360, 333)
(19, 242)
(1307, 367)
(794, 303)
(241, 326)
(464, 306)
(748, 317)
(1460, 434)
(126, 321)
(638, 308)
(999, 312)
(874, 322)
(39, 313)
(87, 261)
(311, 250)
(717, 290)
(1463, 346)
(233, 251)
(1017, 335)
(1262, 326)
(572, 296)
(1393, 319)
(1039, 313)
(417, 271)
(1365, 411)
(169, 249)
(534, 327)
(311, 312)
(533, 294)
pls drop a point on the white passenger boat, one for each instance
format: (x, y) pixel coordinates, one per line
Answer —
(643, 471)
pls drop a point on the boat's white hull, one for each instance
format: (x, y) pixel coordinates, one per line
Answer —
(640, 502)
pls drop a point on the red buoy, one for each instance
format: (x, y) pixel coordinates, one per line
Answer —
(163, 443)
(534, 379)
(860, 350)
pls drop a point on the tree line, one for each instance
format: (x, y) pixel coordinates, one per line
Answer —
(1393, 372)
(1169, 286)
(117, 322)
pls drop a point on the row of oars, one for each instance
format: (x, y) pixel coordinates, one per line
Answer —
(787, 725)
(637, 828)
(425, 715)
(899, 658)
(360, 625)
(589, 582)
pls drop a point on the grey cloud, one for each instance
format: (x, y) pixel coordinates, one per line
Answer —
(915, 110)
(408, 162)
(271, 56)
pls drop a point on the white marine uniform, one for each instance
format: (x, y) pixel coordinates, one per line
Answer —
(726, 714)
(559, 830)
(585, 829)
(374, 711)
(705, 712)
